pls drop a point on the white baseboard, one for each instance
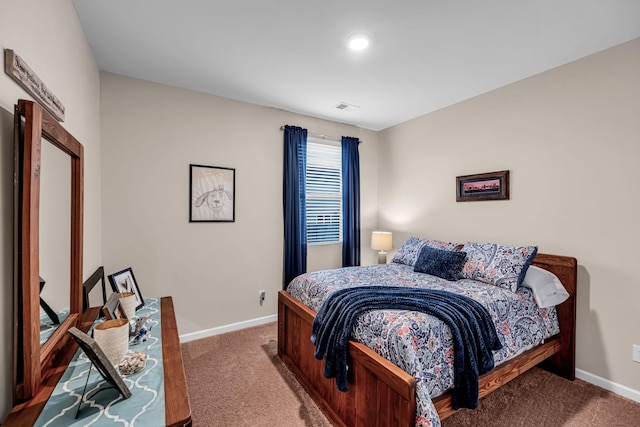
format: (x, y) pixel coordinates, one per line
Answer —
(227, 328)
(620, 389)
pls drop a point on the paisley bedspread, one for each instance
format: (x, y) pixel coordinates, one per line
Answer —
(421, 344)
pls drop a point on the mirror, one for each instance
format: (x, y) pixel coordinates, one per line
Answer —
(54, 238)
(32, 362)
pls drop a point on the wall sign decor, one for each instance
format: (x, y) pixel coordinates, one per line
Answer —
(124, 281)
(483, 186)
(212, 194)
(19, 71)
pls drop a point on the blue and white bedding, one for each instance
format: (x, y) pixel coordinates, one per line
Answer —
(421, 344)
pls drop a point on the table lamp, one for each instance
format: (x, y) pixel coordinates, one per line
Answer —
(381, 241)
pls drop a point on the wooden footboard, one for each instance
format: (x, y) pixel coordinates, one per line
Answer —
(381, 394)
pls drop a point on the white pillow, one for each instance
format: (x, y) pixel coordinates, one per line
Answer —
(546, 287)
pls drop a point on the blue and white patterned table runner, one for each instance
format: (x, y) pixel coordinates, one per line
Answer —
(145, 407)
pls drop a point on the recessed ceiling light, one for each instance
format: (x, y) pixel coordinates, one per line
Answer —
(358, 42)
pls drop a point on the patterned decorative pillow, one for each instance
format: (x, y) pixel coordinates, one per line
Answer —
(503, 266)
(408, 253)
(437, 262)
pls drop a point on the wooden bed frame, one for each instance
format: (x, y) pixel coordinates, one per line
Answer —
(381, 394)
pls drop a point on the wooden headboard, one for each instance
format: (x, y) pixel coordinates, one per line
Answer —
(563, 363)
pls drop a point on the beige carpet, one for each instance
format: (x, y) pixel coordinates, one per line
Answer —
(539, 398)
(237, 379)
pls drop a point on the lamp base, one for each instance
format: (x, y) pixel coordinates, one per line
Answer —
(382, 257)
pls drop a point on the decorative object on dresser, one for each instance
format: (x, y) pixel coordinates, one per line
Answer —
(141, 330)
(100, 361)
(483, 186)
(381, 241)
(128, 303)
(133, 362)
(90, 283)
(212, 194)
(124, 281)
(113, 338)
(112, 308)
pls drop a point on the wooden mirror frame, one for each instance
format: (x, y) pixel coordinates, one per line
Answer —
(33, 362)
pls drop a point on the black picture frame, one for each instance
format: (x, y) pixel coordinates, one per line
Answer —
(212, 194)
(90, 283)
(125, 281)
(100, 361)
(483, 186)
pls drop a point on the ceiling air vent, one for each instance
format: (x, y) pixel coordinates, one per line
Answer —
(346, 107)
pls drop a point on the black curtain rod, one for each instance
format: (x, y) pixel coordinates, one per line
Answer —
(321, 136)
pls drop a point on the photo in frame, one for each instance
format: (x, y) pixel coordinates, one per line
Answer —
(112, 309)
(100, 361)
(212, 194)
(125, 281)
(483, 186)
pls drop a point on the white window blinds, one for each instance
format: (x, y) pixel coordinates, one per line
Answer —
(324, 192)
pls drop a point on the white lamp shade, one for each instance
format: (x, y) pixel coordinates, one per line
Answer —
(381, 240)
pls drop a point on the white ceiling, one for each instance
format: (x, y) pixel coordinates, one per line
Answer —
(291, 54)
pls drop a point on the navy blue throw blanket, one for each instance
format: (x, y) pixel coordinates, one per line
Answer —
(473, 331)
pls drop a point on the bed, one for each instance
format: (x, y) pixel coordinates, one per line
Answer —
(382, 394)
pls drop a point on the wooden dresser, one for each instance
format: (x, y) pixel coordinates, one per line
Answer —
(176, 397)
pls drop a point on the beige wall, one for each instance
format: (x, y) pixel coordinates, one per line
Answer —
(150, 135)
(570, 138)
(48, 36)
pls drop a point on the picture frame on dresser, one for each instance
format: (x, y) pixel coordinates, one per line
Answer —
(99, 360)
(125, 281)
(112, 309)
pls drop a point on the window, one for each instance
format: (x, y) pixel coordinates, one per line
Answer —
(324, 192)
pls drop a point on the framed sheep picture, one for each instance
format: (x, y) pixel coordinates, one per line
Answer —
(212, 194)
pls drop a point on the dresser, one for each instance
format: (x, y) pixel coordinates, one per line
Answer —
(176, 398)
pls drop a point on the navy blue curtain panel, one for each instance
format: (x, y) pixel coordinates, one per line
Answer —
(350, 202)
(295, 225)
